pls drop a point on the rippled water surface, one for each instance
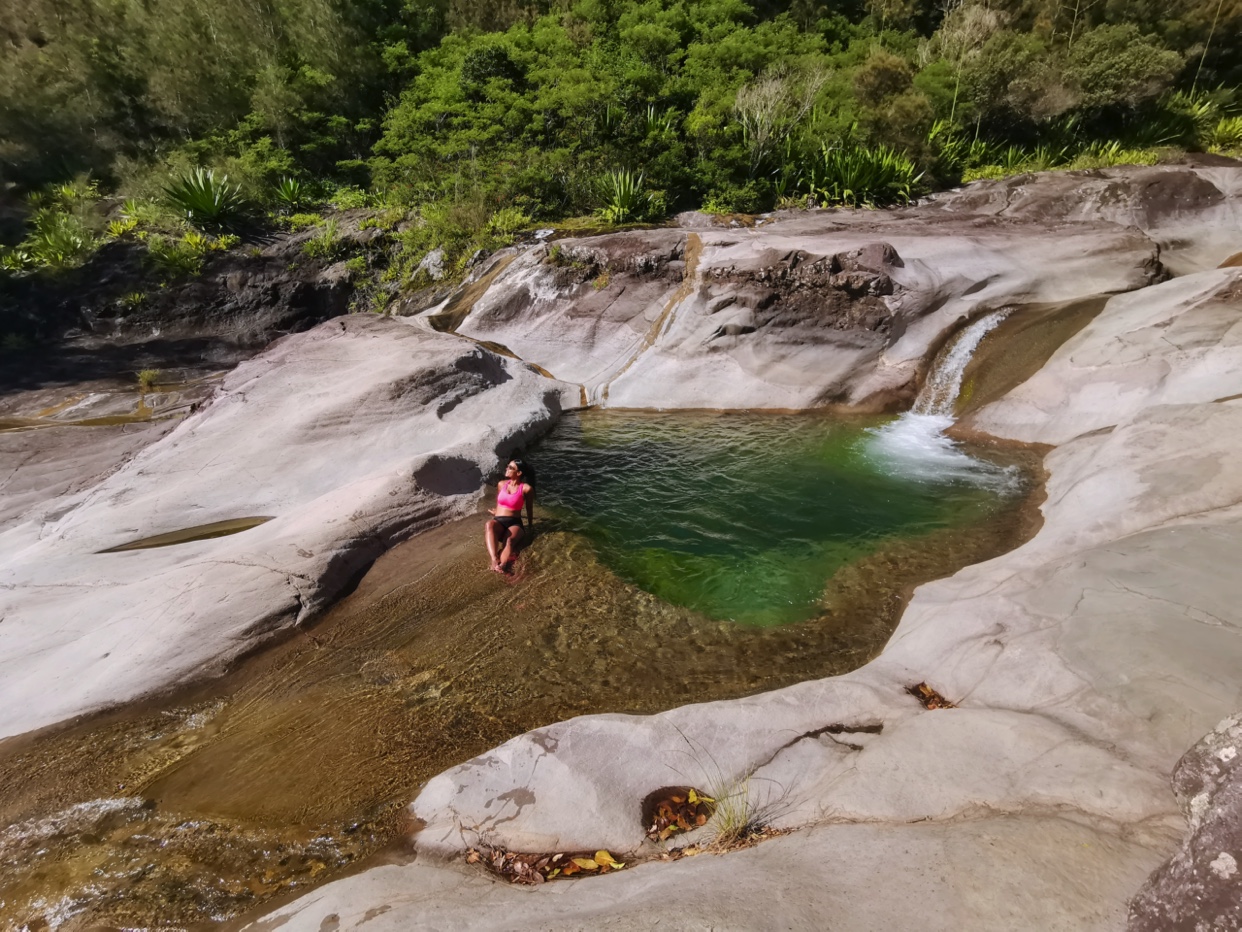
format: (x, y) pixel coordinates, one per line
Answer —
(746, 517)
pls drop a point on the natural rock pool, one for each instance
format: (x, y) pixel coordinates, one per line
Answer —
(655, 531)
(746, 517)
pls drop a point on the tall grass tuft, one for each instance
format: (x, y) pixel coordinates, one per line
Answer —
(58, 240)
(1225, 136)
(202, 198)
(326, 242)
(627, 199)
(854, 176)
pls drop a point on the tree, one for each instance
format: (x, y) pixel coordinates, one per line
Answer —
(965, 29)
(1118, 66)
(772, 107)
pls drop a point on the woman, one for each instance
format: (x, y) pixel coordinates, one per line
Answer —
(504, 531)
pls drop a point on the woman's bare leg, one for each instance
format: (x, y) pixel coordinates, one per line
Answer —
(506, 555)
(493, 545)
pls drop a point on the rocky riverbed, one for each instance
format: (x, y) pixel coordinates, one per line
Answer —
(1081, 666)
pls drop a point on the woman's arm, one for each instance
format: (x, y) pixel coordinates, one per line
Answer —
(530, 504)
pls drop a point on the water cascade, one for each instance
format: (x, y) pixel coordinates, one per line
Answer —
(915, 445)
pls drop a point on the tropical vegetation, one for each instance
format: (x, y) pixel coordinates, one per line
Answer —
(462, 123)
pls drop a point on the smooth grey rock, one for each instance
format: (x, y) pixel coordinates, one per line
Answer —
(648, 334)
(432, 265)
(1040, 871)
(353, 436)
(1177, 342)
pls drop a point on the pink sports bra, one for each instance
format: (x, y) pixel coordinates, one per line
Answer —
(512, 499)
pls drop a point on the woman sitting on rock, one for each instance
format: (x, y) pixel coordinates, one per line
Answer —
(504, 530)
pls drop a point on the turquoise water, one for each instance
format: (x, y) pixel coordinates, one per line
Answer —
(745, 517)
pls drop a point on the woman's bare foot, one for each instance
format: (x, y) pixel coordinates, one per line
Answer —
(496, 568)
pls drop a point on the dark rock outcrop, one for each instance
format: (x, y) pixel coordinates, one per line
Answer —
(1199, 889)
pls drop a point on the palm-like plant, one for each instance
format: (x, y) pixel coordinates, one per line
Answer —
(205, 199)
(625, 195)
(290, 194)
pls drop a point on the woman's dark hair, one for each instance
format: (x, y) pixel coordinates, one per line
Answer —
(527, 471)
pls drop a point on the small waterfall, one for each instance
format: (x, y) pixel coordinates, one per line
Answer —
(915, 445)
(944, 382)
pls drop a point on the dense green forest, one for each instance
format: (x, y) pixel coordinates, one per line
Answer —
(478, 119)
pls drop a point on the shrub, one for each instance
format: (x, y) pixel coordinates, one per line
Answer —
(507, 221)
(185, 256)
(1225, 136)
(141, 212)
(1108, 154)
(62, 230)
(350, 197)
(734, 199)
(298, 222)
(118, 228)
(204, 199)
(58, 240)
(148, 379)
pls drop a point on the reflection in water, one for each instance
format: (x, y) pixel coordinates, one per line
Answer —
(200, 806)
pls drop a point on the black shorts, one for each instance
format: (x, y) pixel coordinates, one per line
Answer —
(508, 521)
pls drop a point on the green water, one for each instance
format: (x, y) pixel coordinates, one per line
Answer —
(743, 516)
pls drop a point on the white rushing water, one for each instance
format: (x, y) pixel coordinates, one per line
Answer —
(915, 445)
